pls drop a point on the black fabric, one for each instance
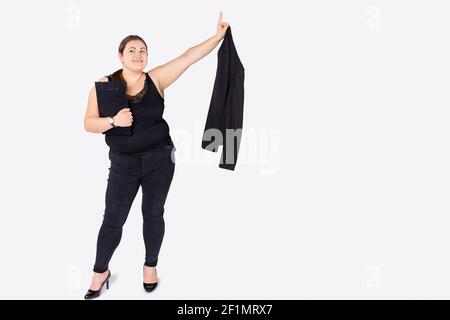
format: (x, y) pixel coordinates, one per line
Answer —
(153, 170)
(149, 130)
(226, 110)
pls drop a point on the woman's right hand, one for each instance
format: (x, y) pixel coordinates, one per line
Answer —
(123, 118)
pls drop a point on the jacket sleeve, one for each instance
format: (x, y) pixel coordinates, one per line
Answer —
(214, 130)
(233, 118)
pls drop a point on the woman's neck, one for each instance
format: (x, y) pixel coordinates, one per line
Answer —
(131, 76)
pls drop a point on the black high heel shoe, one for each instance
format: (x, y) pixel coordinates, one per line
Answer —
(149, 287)
(90, 294)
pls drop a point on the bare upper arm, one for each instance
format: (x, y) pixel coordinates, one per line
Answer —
(92, 106)
(167, 73)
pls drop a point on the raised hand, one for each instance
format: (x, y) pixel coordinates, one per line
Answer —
(221, 27)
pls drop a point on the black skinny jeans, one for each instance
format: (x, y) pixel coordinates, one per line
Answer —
(153, 170)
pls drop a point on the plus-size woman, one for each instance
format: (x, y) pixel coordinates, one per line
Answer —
(144, 159)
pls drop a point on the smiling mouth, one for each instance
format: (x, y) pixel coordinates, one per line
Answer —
(138, 61)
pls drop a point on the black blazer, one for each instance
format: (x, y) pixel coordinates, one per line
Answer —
(226, 109)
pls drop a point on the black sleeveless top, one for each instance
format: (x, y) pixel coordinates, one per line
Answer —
(148, 130)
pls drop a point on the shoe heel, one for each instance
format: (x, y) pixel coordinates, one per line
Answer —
(90, 294)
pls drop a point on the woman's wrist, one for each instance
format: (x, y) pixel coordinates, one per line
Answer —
(111, 121)
(218, 37)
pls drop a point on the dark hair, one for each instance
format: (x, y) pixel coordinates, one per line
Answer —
(117, 75)
(127, 39)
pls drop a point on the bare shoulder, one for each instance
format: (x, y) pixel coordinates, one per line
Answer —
(103, 79)
(154, 74)
(92, 108)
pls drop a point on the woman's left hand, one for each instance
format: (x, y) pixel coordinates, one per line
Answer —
(221, 27)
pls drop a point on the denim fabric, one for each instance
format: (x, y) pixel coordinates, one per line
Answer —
(153, 170)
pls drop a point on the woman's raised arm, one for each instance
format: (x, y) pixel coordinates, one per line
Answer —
(167, 73)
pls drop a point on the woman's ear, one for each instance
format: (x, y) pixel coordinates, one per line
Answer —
(120, 57)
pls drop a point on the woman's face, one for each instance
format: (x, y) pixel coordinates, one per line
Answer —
(134, 55)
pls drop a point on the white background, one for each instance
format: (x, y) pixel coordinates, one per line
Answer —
(341, 188)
